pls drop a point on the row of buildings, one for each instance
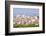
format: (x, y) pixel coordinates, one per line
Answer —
(22, 19)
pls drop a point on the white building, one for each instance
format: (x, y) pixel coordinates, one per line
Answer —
(26, 19)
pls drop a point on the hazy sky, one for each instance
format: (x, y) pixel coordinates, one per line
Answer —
(25, 11)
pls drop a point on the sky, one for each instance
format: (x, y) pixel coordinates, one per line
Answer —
(25, 11)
